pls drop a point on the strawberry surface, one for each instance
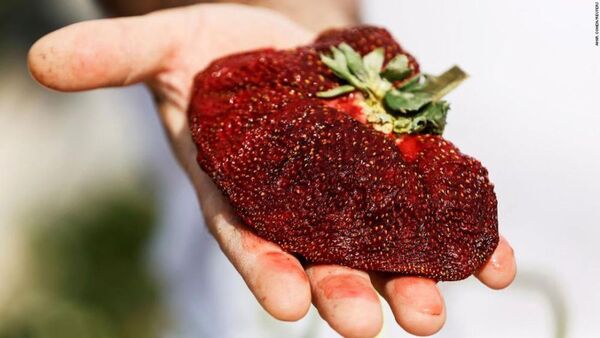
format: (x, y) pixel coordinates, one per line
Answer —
(311, 175)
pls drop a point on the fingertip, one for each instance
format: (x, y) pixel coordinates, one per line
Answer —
(501, 268)
(360, 321)
(416, 303)
(66, 59)
(420, 324)
(289, 307)
(353, 317)
(276, 279)
(104, 53)
(37, 61)
(346, 299)
(283, 288)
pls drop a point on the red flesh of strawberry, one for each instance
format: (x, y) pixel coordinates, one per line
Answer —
(310, 175)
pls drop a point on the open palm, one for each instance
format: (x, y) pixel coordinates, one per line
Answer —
(164, 50)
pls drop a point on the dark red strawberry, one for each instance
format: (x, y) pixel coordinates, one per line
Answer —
(333, 151)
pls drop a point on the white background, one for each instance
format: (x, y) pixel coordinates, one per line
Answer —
(531, 113)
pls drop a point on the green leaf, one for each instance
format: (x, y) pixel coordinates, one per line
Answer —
(397, 68)
(333, 65)
(403, 101)
(414, 84)
(333, 92)
(373, 62)
(338, 66)
(432, 118)
(355, 61)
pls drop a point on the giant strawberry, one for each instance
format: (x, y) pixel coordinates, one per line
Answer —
(334, 152)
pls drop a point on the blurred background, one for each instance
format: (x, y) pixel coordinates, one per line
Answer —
(100, 232)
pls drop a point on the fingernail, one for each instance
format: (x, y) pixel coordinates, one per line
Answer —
(501, 256)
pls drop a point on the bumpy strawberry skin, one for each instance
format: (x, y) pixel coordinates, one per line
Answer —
(306, 174)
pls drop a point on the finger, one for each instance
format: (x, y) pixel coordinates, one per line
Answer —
(107, 52)
(276, 278)
(500, 269)
(346, 299)
(416, 302)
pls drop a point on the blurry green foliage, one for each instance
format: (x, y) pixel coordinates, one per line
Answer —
(91, 278)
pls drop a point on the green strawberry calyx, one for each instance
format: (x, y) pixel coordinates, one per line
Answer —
(412, 107)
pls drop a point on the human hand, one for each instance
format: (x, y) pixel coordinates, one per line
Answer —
(165, 50)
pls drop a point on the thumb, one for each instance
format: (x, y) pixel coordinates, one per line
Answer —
(107, 52)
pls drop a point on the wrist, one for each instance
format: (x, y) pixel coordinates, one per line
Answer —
(315, 15)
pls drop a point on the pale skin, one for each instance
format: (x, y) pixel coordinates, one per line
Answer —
(165, 50)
